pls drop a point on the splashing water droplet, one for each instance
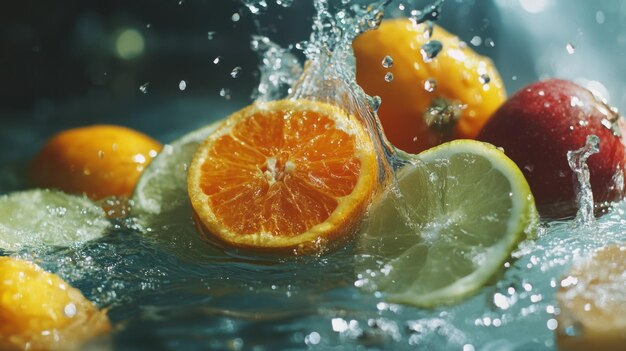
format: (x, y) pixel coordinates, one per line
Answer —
(570, 48)
(577, 161)
(235, 72)
(375, 102)
(389, 77)
(284, 3)
(430, 85)
(182, 85)
(387, 62)
(476, 40)
(225, 93)
(144, 87)
(431, 49)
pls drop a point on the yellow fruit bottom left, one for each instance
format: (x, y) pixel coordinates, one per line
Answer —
(57, 317)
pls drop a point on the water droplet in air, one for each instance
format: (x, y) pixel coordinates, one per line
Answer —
(431, 49)
(388, 77)
(182, 85)
(570, 48)
(484, 79)
(210, 35)
(235, 72)
(430, 85)
(387, 62)
(284, 3)
(144, 87)
(225, 93)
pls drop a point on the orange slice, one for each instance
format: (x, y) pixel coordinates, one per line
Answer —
(284, 175)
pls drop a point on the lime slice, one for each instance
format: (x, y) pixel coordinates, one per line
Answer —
(447, 226)
(160, 205)
(48, 217)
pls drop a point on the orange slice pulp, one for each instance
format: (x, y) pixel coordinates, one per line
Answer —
(283, 175)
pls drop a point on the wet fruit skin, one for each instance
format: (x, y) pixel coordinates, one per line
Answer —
(467, 83)
(40, 311)
(99, 161)
(540, 124)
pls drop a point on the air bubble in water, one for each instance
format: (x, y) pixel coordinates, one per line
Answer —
(235, 72)
(430, 85)
(476, 40)
(387, 62)
(389, 77)
(431, 49)
(570, 48)
(217, 60)
(235, 17)
(182, 85)
(490, 43)
(144, 87)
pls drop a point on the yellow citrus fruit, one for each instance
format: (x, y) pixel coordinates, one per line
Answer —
(99, 161)
(290, 175)
(592, 302)
(40, 311)
(429, 101)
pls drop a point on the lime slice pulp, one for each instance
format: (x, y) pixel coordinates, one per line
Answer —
(38, 217)
(447, 226)
(160, 204)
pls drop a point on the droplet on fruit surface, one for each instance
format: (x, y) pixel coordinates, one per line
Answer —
(484, 79)
(387, 62)
(431, 49)
(430, 85)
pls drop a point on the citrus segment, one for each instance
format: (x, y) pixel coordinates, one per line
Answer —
(48, 217)
(290, 174)
(40, 311)
(592, 302)
(448, 225)
(99, 161)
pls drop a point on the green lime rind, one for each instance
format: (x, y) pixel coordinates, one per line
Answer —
(41, 217)
(160, 205)
(448, 225)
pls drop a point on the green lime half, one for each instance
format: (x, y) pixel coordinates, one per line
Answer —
(447, 226)
(160, 205)
(37, 217)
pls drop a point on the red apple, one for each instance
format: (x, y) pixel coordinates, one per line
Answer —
(542, 122)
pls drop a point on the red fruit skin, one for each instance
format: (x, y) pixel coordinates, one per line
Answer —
(542, 122)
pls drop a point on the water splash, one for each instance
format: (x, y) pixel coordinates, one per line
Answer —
(577, 160)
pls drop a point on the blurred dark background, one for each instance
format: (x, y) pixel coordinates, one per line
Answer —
(164, 66)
